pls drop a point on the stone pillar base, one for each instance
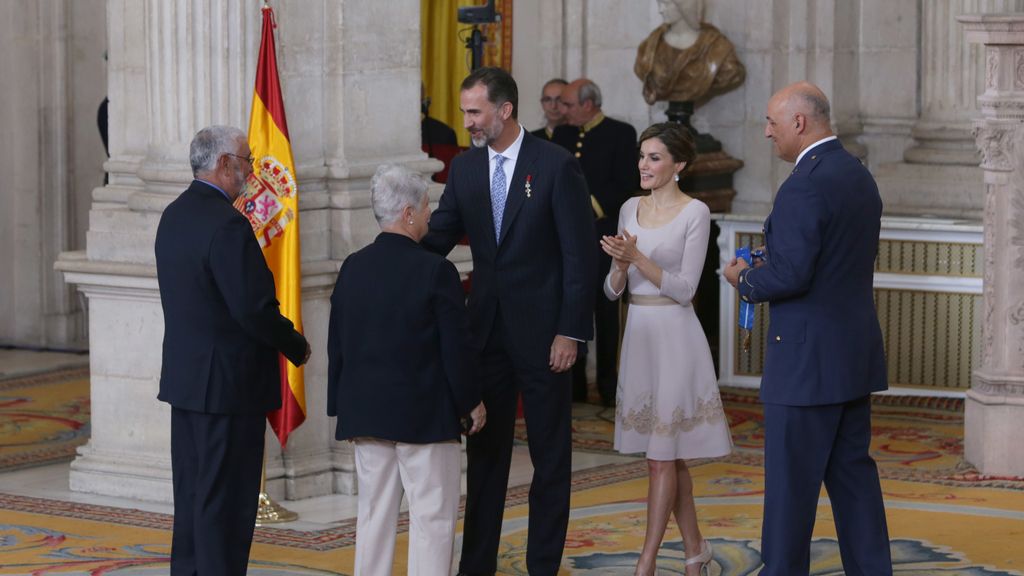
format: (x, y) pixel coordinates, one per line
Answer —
(302, 476)
(140, 478)
(991, 432)
(112, 474)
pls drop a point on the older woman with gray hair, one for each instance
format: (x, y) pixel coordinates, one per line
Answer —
(400, 381)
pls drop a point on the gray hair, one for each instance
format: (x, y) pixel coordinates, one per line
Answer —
(392, 188)
(209, 144)
(817, 106)
(590, 92)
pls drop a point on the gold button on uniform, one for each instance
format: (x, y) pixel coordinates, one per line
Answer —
(578, 154)
(579, 144)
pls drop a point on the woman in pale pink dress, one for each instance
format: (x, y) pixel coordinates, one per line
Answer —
(667, 403)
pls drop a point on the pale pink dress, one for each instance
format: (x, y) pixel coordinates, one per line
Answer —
(667, 401)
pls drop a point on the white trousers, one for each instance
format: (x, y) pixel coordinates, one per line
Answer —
(430, 475)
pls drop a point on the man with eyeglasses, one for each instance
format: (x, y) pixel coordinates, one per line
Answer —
(553, 115)
(223, 331)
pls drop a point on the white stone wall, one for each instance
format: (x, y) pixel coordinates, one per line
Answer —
(894, 70)
(54, 82)
(779, 42)
(888, 74)
(19, 193)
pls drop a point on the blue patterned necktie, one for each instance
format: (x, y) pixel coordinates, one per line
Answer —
(499, 194)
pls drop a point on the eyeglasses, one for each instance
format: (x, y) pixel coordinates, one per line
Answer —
(248, 159)
(548, 99)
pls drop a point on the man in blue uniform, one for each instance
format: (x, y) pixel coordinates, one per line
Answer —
(824, 354)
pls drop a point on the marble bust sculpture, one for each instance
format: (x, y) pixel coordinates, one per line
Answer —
(685, 59)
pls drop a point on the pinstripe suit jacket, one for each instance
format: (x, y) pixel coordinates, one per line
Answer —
(540, 275)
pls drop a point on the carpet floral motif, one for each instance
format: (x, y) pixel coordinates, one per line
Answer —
(933, 500)
(43, 418)
(743, 558)
(914, 438)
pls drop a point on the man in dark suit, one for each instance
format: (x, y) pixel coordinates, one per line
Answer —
(824, 356)
(606, 150)
(222, 335)
(553, 116)
(524, 206)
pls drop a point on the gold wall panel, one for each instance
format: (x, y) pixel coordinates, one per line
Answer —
(930, 337)
(750, 362)
(919, 257)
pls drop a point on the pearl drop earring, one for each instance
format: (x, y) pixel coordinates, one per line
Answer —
(410, 221)
(676, 177)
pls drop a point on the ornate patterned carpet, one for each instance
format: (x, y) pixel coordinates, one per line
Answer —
(43, 417)
(914, 437)
(944, 517)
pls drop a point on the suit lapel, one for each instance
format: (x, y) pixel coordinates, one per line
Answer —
(517, 186)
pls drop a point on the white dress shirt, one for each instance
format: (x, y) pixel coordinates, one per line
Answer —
(511, 154)
(808, 149)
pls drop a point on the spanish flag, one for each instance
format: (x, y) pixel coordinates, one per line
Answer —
(271, 204)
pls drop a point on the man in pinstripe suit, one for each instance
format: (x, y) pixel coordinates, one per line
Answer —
(525, 207)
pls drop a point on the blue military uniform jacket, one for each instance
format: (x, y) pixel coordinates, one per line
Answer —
(821, 239)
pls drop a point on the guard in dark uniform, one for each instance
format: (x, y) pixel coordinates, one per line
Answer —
(606, 150)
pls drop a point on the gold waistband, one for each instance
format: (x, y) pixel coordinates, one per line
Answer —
(645, 300)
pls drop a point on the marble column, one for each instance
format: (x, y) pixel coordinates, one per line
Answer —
(888, 56)
(371, 92)
(54, 67)
(951, 81)
(174, 67)
(939, 173)
(350, 79)
(995, 402)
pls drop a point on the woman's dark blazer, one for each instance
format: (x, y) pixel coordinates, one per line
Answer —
(399, 358)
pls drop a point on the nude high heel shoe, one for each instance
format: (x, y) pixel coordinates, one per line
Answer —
(704, 558)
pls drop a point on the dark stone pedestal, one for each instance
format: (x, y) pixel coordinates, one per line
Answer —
(710, 181)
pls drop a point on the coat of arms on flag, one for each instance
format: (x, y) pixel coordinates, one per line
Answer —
(262, 200)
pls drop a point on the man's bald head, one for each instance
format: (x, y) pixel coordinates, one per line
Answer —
(807, 99)
(798, 116)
